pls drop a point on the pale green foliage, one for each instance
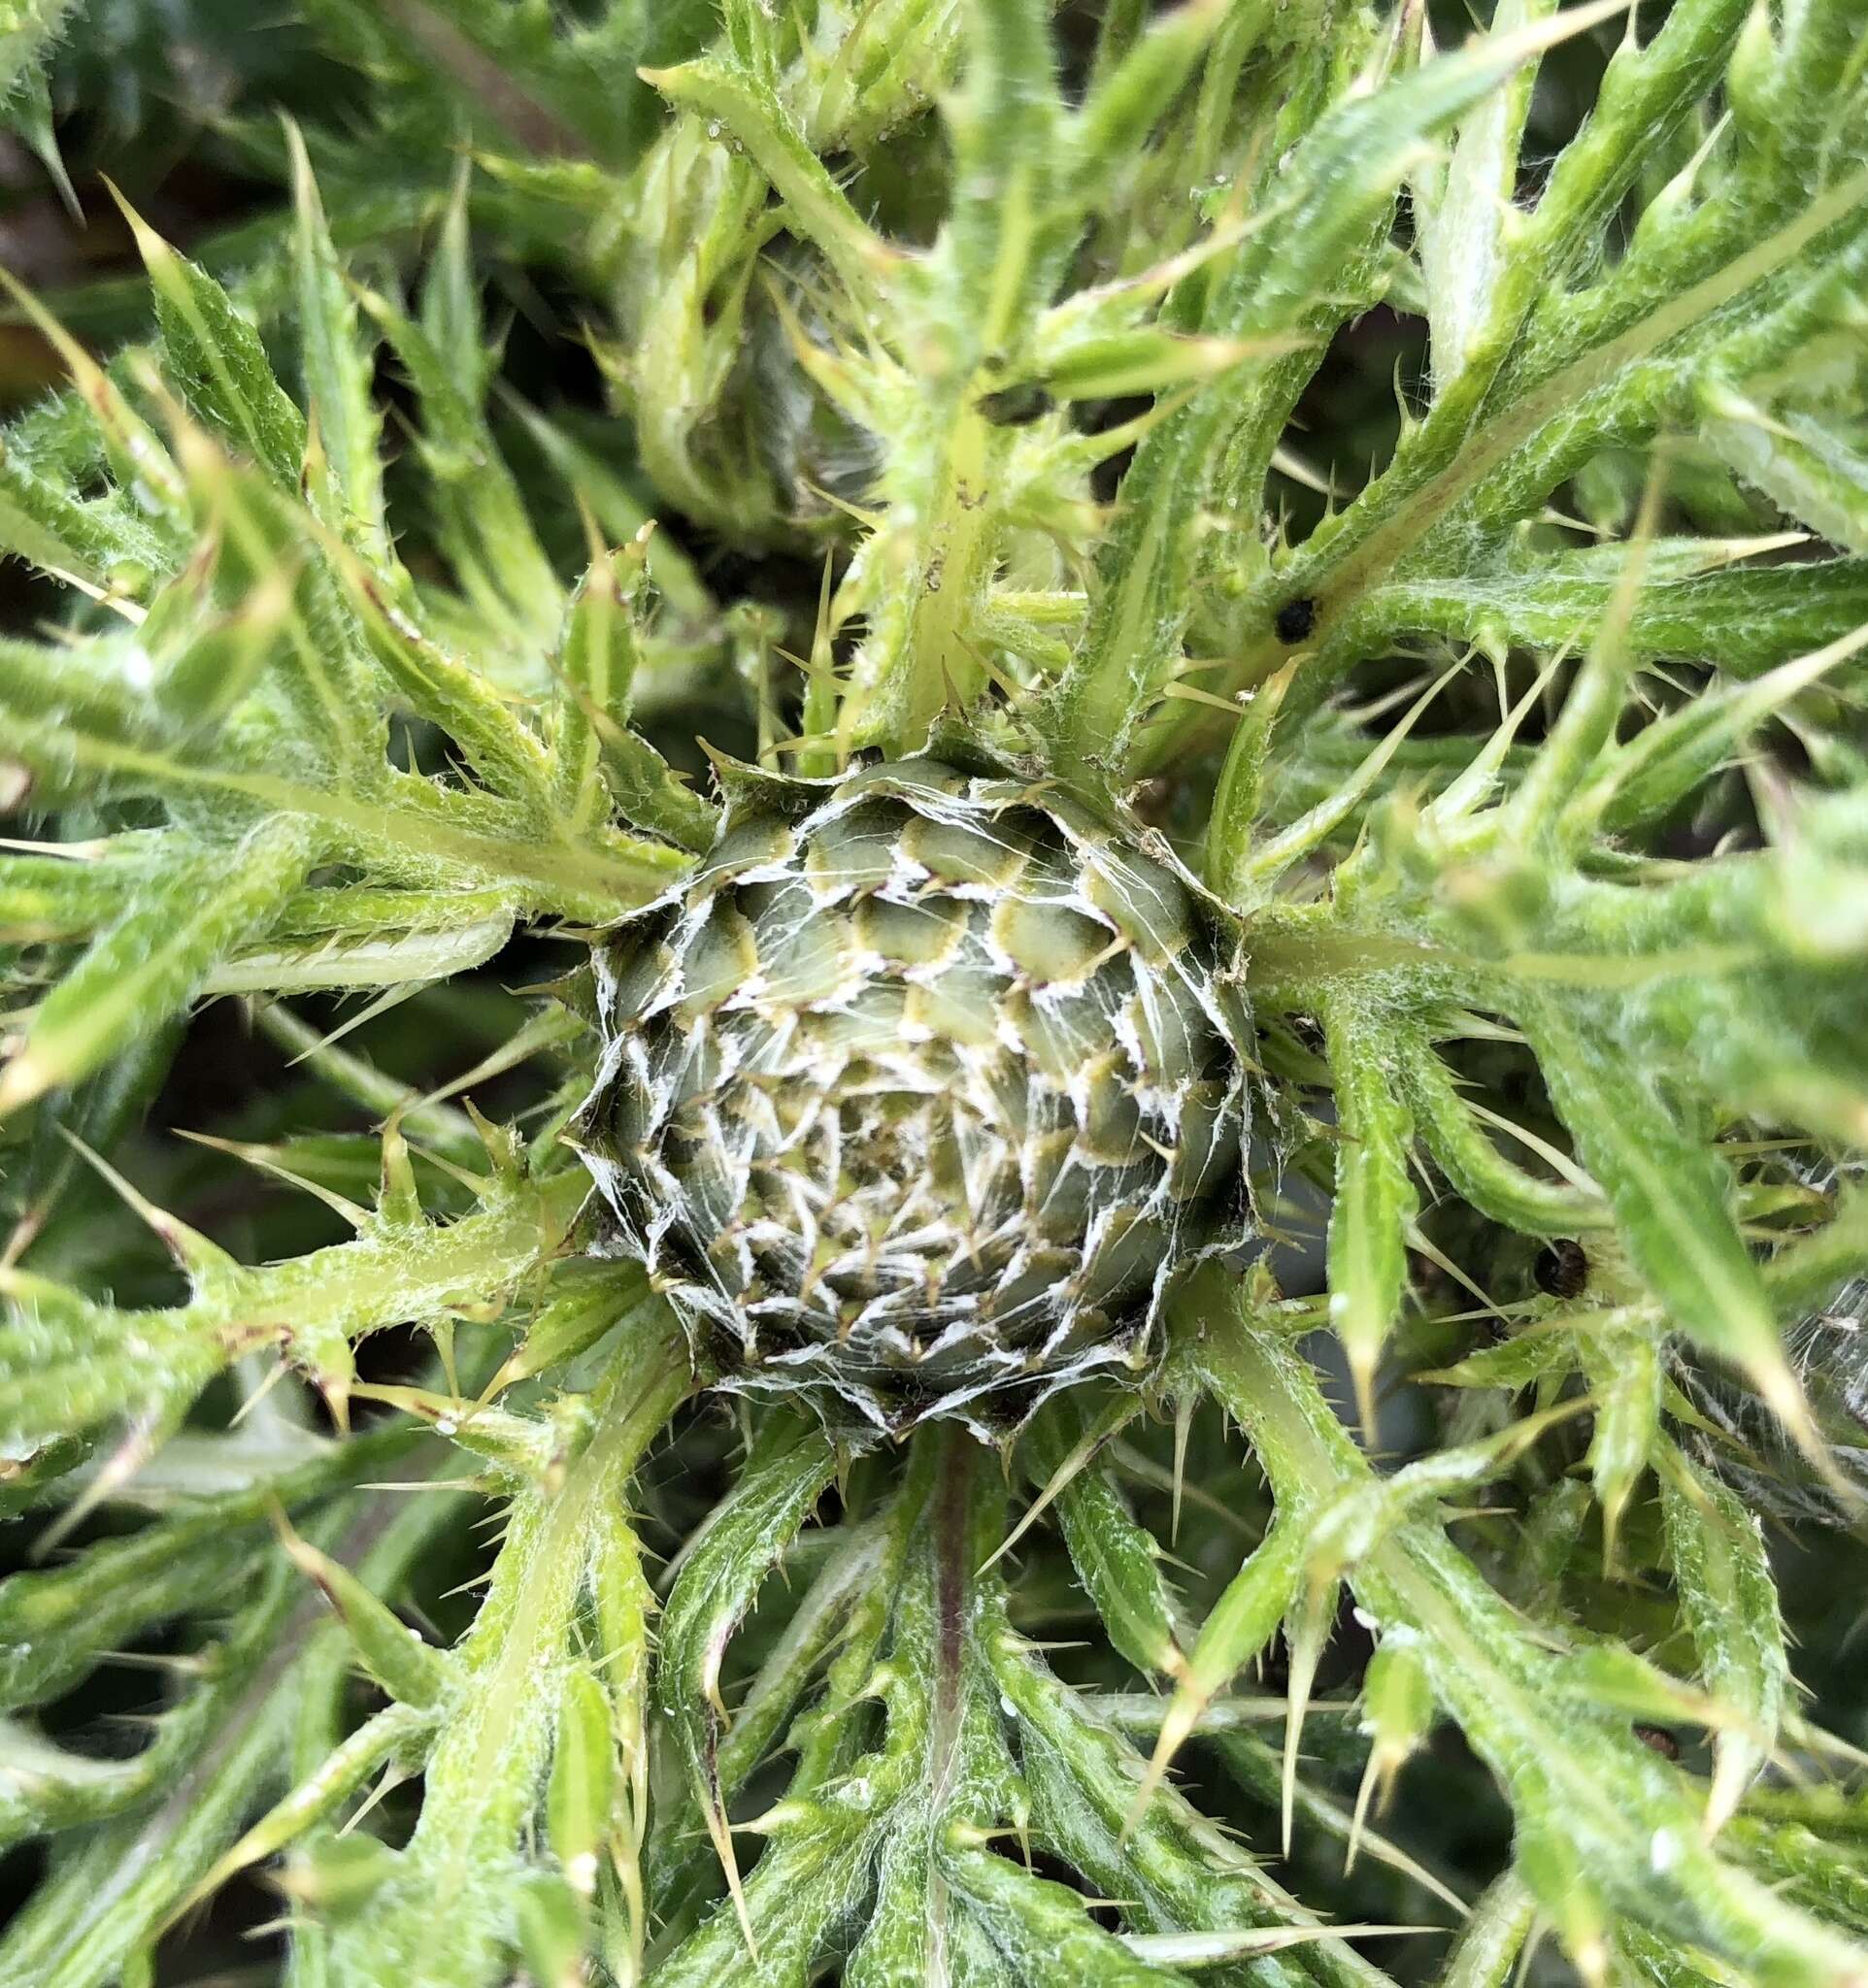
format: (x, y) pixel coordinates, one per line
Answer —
(1561, 942)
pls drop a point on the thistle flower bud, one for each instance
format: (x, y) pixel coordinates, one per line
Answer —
(918, 1095)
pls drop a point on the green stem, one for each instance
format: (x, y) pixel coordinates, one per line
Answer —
(948, 1515)
(926, 663)
(483, 1774)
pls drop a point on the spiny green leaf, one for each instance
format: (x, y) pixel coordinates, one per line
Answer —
(219, 363)
(728, 1561)
(1670, 1197)
(336, 364)
(1730, 1602)
(1375, 1196)
(155, 959)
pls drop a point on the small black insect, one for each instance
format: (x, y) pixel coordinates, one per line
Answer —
(1659, 1740)
(1562, 1269)
(1014, 407)
(1294, 621)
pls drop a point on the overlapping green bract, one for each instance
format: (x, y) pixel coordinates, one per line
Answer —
(977, 371)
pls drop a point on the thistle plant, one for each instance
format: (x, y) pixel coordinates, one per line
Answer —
(1046, 1154)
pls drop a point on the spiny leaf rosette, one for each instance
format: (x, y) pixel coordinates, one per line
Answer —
(921, 1092)
(1019, 1010)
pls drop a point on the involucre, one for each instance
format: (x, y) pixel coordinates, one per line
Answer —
(924, 1088)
